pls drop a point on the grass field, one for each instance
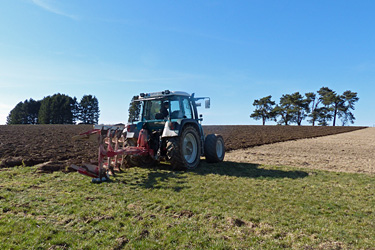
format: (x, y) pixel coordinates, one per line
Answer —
(220, 206)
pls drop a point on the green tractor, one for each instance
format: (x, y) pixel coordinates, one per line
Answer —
(168, 129)
(170, 126)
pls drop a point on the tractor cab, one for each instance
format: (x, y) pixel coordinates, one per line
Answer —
(173, 107)
(168, 129)
(167, 107)
(167, 104)
(158, 108)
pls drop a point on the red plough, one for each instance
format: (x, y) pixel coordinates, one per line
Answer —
(112, 150)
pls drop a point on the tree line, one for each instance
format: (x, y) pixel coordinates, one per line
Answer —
(56, 109)
(134, 109)
(319, 108)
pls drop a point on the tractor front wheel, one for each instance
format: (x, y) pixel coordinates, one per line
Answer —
(184, 151)
(214, 148)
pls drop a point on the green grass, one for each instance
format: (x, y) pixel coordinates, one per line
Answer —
(218, 206)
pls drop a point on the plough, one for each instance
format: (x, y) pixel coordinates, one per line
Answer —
(112, 150)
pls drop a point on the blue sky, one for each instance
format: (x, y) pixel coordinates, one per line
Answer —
(233, 51)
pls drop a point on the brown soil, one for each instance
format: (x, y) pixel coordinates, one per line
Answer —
(51, 145)
(237, 137)
(349, 152)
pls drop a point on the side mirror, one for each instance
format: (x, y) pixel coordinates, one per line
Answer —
(207, 104)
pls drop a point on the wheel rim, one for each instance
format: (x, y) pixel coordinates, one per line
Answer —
(190, 148)
(219, 148)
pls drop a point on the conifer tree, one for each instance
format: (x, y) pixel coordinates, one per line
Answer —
(134, 109)
(88, 110)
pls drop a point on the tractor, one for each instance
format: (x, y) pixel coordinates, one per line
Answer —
(168, 129)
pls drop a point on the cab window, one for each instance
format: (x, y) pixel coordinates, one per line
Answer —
(175, 106)
(180, 108)
(151, 108)
(187, 108)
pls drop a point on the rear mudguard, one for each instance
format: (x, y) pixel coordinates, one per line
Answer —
(168, 132)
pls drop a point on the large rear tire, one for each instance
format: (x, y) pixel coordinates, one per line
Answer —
(184, 151)
(146, 161)
(130, 160)
(137, 160)
(214, 148)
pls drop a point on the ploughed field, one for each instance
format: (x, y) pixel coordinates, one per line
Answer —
(245, 136)
(51, 145)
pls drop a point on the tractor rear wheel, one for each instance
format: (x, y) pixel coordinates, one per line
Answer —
(214, 148)
(146, 161)
(137, 160)
(184, 151)
(130, 160)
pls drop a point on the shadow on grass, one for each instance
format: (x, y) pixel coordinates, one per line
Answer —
(246, 170)
(159, 177)
(160, 180)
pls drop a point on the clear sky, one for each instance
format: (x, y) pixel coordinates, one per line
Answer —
(233, 51)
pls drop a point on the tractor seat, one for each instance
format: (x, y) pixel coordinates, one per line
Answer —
(159, 116)
(176, 114)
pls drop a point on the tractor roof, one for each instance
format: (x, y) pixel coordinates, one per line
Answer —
(159, 95)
